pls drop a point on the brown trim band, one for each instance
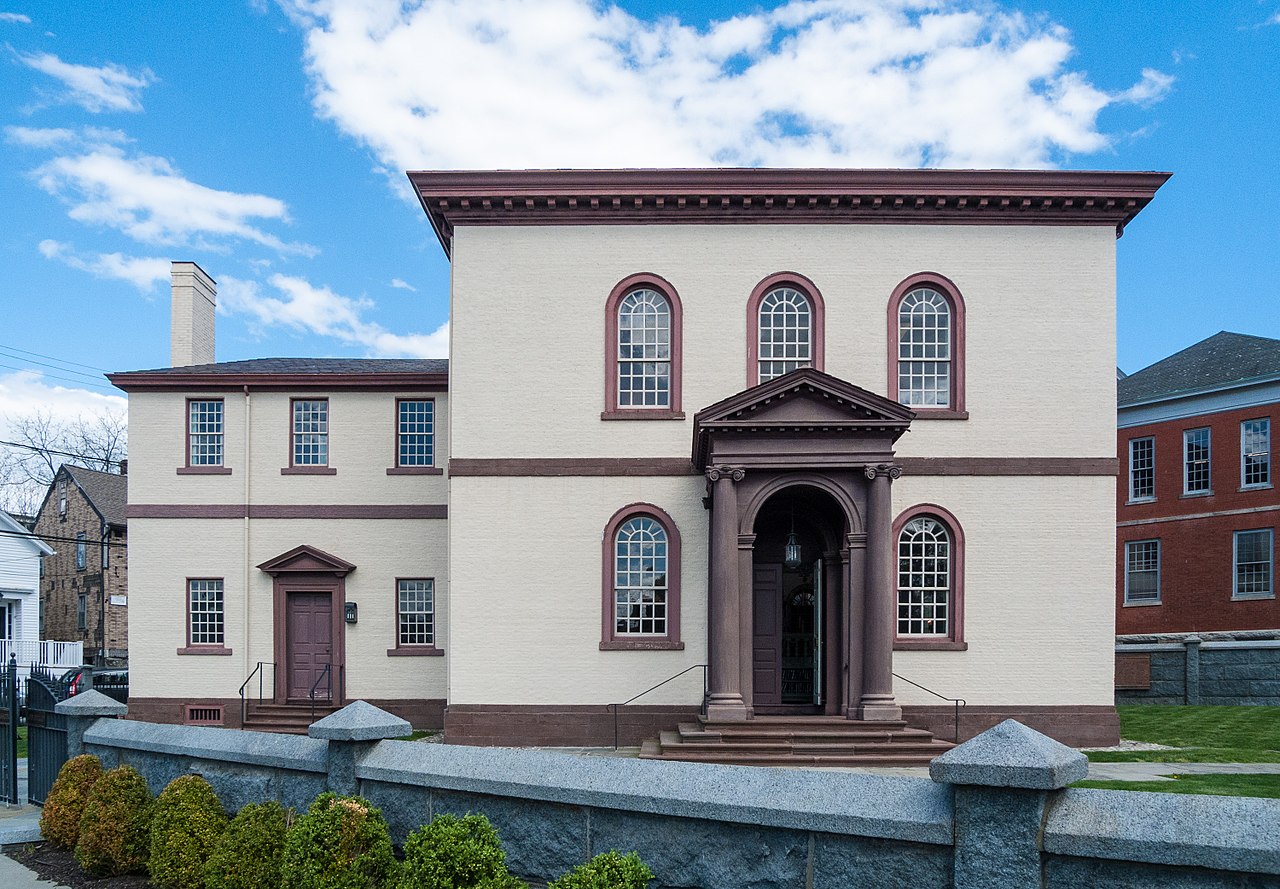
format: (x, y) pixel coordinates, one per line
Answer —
(1076, 725)
(204, 470)
(172, 380)
(415, 470)
(204, 649)
(287, 511)
(536, 467)
(419, 651)
(1066, 466)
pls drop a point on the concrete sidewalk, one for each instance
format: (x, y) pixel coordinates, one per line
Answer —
(16, 876)
(21, 823)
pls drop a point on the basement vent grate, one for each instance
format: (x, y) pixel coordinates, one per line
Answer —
(204, 715)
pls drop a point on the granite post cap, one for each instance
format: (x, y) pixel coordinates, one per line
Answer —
(90, 703)
(1011, 755)
(359, 721)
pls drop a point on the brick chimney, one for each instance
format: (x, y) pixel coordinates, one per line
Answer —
(195, 296)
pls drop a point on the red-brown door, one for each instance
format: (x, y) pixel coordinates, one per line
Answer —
(309, 644)
(766, 641)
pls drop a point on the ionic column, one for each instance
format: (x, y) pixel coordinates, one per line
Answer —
(725, 702)
(746, 627)
(855, 574)
(878, 614)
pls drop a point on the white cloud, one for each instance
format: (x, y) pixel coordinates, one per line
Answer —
(303, 307)
(401, 284)
(16, 18)
(26, 392)
(39, 137)
(149, 199)
(143, 272)
(110, 87)
(575, 83)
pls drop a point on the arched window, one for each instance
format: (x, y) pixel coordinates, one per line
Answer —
(930, 548)
(784, 327)
(926, 341)
(642, 588)
(642, 367)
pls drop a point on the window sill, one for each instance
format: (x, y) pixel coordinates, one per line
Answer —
(1194, 494)
(929, 645)
(1269, 597)
(415, 470)
(641, 645)
(1244, 488)
(424, 651)
(641, 414)
(205, 650)
(204, 470)
(308, 470)
(1137, 501)
(938, 413)
(1143, 604)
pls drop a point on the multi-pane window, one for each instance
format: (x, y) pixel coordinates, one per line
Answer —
(786, 333)
(1142, 571)
(1255, 453)
(311, 432)
(924, 349)
(1195, 461)
(207, 611)
(82, 611)
(415, 432)
(416, 601)
(644, 350)
(640, 578)
(924, 578)
(1253, 558)
(204, 432)
(1142, 468)
(82, 551)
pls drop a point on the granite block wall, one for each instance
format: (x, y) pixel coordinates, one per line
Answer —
(1191, 670)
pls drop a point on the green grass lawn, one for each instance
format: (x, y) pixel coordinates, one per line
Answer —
(1221, 785)
(22, 741)
(1205, 734)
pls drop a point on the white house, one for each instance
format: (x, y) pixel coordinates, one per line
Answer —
(20, 558)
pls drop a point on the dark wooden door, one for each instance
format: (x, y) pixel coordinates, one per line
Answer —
(309, 643)
(766, 636)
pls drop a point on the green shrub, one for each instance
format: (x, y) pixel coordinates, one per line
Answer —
(456, 853)
(341, 843)
(186, 825)
(248, 857)
(608, 870)
(115, 827)
(64, 806)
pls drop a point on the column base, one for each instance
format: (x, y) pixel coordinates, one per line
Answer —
(726, 708)
(879, 708)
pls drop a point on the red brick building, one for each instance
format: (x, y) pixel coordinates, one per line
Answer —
(1197, 502)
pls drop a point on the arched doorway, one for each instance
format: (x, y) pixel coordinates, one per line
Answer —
(797, 625)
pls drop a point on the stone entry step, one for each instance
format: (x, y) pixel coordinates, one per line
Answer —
(797, 740)
(284, 719)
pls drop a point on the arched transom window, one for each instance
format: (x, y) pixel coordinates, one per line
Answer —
(924, 349)
(786, 333)
(644, 350)
(640, 578)
(924, 578)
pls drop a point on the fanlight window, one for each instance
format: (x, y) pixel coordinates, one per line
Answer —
(640, 578)
(924, 349)
(786, 333)
(644, 350)
(924, 578)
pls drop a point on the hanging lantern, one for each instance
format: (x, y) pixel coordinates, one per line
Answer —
(791, 554)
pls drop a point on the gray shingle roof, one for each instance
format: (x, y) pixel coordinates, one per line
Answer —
(108, 492)
(312, 366)
(1221, 360)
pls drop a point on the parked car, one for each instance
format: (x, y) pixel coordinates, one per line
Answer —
(112, 683)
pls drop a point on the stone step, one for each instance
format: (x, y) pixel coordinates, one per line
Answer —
(816, 736)
(683, 755)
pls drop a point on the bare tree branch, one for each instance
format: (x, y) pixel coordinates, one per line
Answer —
(42, 444)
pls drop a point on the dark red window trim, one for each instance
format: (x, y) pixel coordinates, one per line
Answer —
(951, 293)
(433, 468)
(817, 319)
(955, 640)
(399, 650)
(638, 281)
(205, 648)
(609, 638)
(311, 468)
(187, 468)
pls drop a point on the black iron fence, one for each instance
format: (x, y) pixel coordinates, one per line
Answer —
(9, 713)
(46, 732)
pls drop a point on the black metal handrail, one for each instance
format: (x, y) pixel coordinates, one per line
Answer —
(325, 674)
(959, 702)
(703, 708)
(259, 672)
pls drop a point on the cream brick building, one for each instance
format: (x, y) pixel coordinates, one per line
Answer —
(838, 435)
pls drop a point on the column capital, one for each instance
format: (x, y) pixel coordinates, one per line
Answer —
(746, 541)
(856, 541)
(732, 473)
(883, 470)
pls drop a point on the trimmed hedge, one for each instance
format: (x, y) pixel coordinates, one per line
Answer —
(608, 870)
(186, 826)
(248, 857)
(456, 853)
(116, 825)
(341, 843)
(65, 804)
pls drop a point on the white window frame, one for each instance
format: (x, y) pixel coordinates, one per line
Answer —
(1271, 565)
(915, 366)
(1208, 461)
(1264, 453)
(429, 587)
(783, 302)
(651, 359)
(908, 592)
(629, 564)
(213, 620)
(205, 437)
(319, 437)
(411, 444)
(1134, 497)
(1128, 572)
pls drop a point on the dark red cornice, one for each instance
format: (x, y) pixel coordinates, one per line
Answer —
(757, 195)
(169, 380)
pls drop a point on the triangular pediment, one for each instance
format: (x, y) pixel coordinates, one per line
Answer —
(802, 401)
(307, 560)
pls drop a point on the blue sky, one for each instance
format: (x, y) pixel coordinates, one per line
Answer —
(268, 142)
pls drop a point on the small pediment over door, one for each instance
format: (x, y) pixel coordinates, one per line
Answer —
(805, 403)
(307, 560)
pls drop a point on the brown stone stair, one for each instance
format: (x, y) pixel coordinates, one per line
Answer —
(285, 719)
(797, 740)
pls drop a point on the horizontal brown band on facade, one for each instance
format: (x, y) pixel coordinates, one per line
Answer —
(415, 652)
(204, 470)
(205, 650)
(536, 467)
(929, 645)
(422, 713)
(287, 511)
(1076, 725)
(1250, 510)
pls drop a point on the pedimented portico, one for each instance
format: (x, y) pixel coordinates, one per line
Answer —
(811, 442)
